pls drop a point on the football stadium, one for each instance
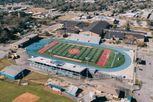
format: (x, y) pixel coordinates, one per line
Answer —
(92, 56)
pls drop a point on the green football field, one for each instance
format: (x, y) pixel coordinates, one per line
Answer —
(90, 53)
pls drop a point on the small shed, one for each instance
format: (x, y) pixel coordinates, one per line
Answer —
(73, 90)
(14, 72)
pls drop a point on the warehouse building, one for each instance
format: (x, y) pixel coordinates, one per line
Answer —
(122, 34)
(14, 72)
(50, 66)
(24, 42)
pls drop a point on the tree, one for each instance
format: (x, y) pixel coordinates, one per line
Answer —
(127, 26)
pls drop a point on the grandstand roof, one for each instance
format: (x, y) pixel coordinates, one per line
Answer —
(85, 38)
(66, 66)
(12, 70)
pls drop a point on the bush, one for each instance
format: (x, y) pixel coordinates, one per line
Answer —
(138, 82)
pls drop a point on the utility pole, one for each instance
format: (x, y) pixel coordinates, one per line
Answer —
(87, 59)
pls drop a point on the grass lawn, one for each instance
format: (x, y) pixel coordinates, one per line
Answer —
(9, 91)
(40, 77)
(92, 52)
(36, 76)
(5, 62)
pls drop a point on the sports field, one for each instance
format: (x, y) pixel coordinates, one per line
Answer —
(9, 91)
(93, 55)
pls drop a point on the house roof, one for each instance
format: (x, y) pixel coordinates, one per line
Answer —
(12, 70)
(97, 27)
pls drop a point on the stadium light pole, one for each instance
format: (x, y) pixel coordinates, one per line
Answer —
(50, 51)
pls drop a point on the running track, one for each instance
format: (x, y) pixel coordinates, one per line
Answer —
(48, 46)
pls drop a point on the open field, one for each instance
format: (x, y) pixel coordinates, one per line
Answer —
(83, 53)
(9, 92)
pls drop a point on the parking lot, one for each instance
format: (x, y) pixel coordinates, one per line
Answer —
(145, 74)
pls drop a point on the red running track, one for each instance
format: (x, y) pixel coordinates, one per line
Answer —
(48, 46)
(103, 58)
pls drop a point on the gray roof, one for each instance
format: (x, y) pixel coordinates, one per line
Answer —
(114, 34)
(72, 90)
(89, 97)
(25, 39)
(12, 70)
(85, 38)
(122, 33)
(97, 27)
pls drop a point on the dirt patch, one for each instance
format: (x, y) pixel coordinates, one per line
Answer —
(26, 97)
(37, 10)
(67, 17)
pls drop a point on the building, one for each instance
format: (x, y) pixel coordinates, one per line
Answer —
(50, 66)
(73, 90)
(96, 28)
(73, 26)
(24, 42)
(90, 97)
(122, 34)
(85, 38)
(14, 72)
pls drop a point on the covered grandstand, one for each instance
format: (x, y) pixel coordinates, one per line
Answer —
(85, 38)
(57, 67)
